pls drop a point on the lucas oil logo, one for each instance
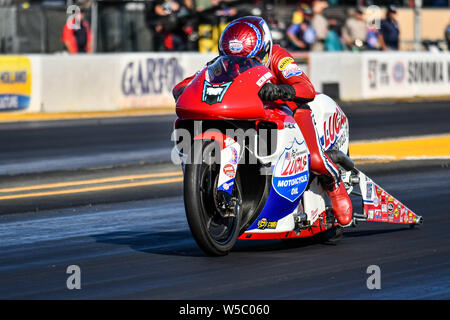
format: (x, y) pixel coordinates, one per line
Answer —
(332, 128)
(214, 93)
(291, 173)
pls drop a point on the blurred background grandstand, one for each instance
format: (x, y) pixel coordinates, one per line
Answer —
(195, 25)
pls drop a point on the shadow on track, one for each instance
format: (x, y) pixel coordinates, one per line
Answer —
(181, 243)
(317, 240)
(276, 245)
(174, 243)
(372, 232)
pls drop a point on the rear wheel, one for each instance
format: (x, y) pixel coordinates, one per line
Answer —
(213, 217)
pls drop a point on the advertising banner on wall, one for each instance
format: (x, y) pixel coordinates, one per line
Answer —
(15, 83)
(148, 80)
(403, 74)
(106, 82)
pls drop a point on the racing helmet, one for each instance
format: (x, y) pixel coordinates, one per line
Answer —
(247, 37)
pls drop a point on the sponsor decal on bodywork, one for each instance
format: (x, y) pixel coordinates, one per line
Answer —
(263, 79)
(214, 93)
(234, 156)
(266, 224)
(229, 171)
(334, 130)
(291, 173)
(380, 206)
(229, 156)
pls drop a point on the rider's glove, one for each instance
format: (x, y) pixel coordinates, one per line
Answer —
(272, 92)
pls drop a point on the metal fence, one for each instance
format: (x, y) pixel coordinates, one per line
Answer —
(118, 26)
(38, 29)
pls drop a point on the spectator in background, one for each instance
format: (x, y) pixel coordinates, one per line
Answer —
(440, 3)
(372, 40)
(297, 16)
(203, 4)
(354, 32)
(213, 17)
(389, 31)
(190, 25)
(332, 40)
(302, 35)
(224, 13)
(168, 20)
(447, 37)
(77, 36)
(319, 24)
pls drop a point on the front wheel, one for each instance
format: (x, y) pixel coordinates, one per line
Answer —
(214, 229)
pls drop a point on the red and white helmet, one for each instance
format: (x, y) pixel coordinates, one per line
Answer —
(247, 37)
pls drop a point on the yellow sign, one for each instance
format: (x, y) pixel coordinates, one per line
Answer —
(15, 83)
(209, 37)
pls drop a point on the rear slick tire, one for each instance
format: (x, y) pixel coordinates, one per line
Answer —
(214, 234)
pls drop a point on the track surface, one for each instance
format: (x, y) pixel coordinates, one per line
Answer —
(135, 243)
(48, 140)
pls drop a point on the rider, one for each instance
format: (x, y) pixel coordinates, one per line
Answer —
(250, 37)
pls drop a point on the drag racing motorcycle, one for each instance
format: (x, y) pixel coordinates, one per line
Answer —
(246, 164)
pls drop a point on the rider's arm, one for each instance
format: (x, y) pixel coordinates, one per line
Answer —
(291, 84)
(288, 72)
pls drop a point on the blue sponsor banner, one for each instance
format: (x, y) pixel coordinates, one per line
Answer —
(13, 102)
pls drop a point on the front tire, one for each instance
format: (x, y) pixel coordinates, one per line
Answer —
(214, 230)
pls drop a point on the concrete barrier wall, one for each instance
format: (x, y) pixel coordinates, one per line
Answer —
(340, 69)
(382, 75)
(114, 81)
(103, 82)
(401, 75)
(100, 82)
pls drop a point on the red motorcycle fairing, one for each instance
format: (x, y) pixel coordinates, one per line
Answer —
(223, 140)
(235, 99)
